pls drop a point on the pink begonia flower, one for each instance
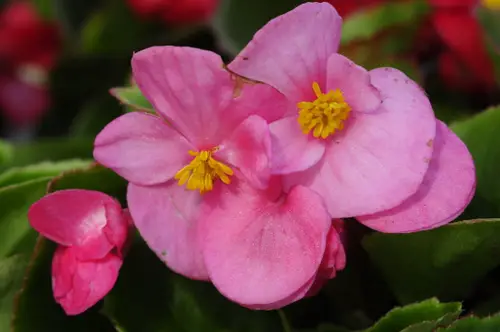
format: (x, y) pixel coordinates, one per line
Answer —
(366, 141)
(201, 193)
(91, 229)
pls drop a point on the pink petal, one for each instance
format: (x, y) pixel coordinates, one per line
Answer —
(75, 217)
(189, 87)
(380, 158)
(447, 189)
(293, 151)
(260, 251)
(354, 82)
(291, 51)
(78, 285)
(167, 218)
(249, 149)
(334, 258)
(142, 148)
(118, 227)
(256, 99)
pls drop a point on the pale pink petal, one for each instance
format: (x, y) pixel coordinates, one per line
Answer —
(293, 150)
(249, 149)
(75, 217)
(298, 295)
(256, 99)
(447, 189)
(354, 82)
(260, 251)
(167, 219)
(91, 281)
(291, 51)
(142, 148)
(380, 158)
(189, 87)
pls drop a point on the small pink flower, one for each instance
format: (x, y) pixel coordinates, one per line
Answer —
(200, 190)
(366, 141)
(91, 229)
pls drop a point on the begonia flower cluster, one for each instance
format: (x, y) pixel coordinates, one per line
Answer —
(247, 171)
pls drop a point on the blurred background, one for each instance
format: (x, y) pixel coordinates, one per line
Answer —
(60, 58)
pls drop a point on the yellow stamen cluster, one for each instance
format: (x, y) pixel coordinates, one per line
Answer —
(202, 171)
(491, 4)
(325, 115)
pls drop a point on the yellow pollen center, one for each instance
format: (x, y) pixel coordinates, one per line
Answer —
(202, 171)
(325, 115)
(491, 4)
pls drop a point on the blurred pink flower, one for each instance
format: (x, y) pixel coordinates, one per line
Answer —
(175, 11)
(200, 190)
(29, 47)
(366, 141)
(91, 230)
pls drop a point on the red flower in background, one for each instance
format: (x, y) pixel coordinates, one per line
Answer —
(174, 11)
(29, 48)
(453, 30)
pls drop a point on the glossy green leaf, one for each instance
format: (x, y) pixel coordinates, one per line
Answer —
(93, 178)
(149, 297)
(474, 324)
(36, 309)
(367, 23)
(17, 175)
(446, 262)
(237, 20)
(11, 277)
(480, 134)
(133, 98)
(427, 315)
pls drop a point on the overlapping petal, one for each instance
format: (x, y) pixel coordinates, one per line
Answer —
(187, 86)
(446, 190)
(380, 158)
(167, 218)
(75, 217)
(249, 149)
(259, 251)
(354, 82)
(78, 285)
(142, 148)
(291, 51)
(293, 151)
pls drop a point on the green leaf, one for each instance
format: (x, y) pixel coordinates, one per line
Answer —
(474, 324)
(149, 297)
(11, 278)
(95, 177)
(429, 313)
(446, 262)
(16, 235)
(6, 152)
(36, 309)
(50, 150)
(367, 23)
(490, 20)
(42, 170)
(480, 134)
(133, 98)
(238, 20)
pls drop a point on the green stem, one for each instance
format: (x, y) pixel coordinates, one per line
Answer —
(284, 321)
